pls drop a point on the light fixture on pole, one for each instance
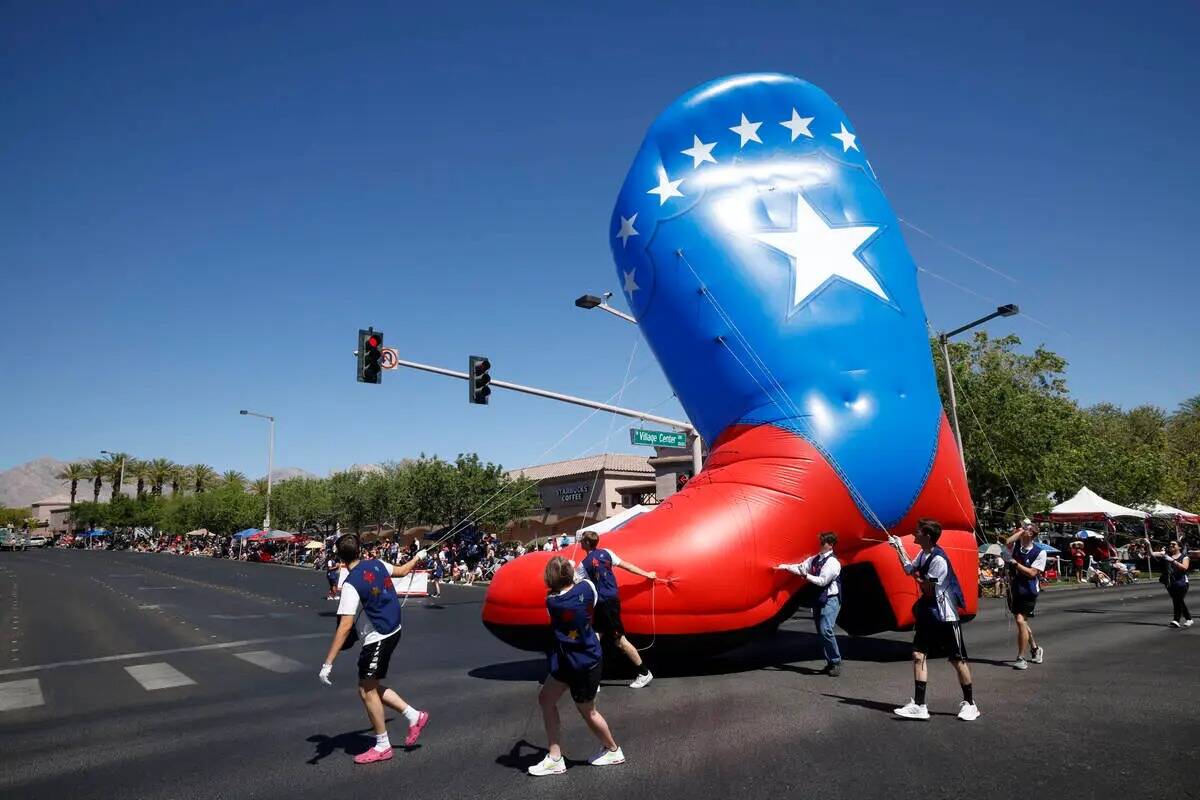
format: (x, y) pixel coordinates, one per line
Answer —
(270, 458)
(1006, 310)
(591, 301)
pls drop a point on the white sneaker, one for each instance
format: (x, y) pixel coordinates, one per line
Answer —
(968, 712)
(641, 680)
(912, 711)
(1020, 663)
(607, 758)
(1175, 623)
(549, 766)
(1038, 654)
(1187, 623)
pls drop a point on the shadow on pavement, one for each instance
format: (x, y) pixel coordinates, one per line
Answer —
(533, 669)
(883, 708)
(351, 743)
(1083, 611)
(515, 759)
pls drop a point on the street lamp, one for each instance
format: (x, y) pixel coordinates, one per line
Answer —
(1006, 310)
(591, 301)
(121, 472)
(270, 458)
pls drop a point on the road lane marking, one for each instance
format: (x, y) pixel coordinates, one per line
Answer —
(146, 654)
(272, 661)
(157, 587)
(272, 615)
(21, 694)
(159, 675)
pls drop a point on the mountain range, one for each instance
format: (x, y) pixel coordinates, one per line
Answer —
(34, 480)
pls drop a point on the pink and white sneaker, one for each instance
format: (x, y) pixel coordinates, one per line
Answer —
(414, 730)
(373, 755)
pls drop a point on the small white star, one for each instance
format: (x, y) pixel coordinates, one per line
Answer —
(798, 125)
(747, 130)
(846, 138)
(630, 284)
(700, 152)
(666, 188)
(627, 229)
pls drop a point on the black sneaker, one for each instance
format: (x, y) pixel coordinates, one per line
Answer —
(834, 670)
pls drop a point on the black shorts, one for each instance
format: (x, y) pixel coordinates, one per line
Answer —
(583, 684)
(937, 639)
(1022, 604)
(607, 619)
(374, 659)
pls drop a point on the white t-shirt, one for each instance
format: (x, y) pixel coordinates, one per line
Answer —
(343, 573)
(581, 573)
(938, 571)
(351, 605)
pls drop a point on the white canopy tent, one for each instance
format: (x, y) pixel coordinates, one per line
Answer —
(1087, 505)
(1159, 509)
(617, 520)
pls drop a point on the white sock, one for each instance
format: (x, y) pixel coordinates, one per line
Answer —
(382, 742)
(412, 715)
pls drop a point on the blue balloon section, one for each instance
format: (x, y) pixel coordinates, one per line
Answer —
(768, 273)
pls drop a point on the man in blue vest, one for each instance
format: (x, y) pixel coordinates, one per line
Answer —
(937, 628)
(824, 571)
(369, 598)
(1027, 564)
(597, 566)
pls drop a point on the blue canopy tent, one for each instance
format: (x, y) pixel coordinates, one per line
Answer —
(95, 532)
(246, 534)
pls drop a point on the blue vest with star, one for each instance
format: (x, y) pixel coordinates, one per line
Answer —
(599, 568)
(814, 568)
(373, 582)
(1022, 585)
(953, 589)
(576, 645)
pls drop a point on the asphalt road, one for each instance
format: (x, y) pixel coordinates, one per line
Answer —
(156, 676)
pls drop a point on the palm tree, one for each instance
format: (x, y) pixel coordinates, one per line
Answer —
(74, 472)
(97, 470)
(139, 469)
(259, 486)
(203, 475)
(234, 479)
(117, 466)
(159, 474)
(178, 476)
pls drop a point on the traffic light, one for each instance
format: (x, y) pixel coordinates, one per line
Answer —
(478, 378)
(370, 356)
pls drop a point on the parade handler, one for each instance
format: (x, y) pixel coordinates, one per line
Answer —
(369, 599)
(1028, 565)
(824, 571)
(597, 567)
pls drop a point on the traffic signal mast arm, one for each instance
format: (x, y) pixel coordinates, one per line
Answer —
(579, 401)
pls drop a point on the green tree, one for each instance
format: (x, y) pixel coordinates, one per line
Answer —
(160, 472)
(232, 479)
(1182, 488)
(138, 470)
(74, 473)
(97, 469)
(304, 505)
(1122, 455)
(259, 486)
(202, 476)
(116, 472)
(348, 499)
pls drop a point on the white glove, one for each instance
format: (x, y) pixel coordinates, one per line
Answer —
(422, 554)
(326, 670)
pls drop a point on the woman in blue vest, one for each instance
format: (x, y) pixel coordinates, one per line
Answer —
(1027, 564)
(369, 598)
(1176, 564)
(937, 627)
(824, 571)
(575, 665)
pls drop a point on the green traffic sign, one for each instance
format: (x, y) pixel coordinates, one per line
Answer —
(657, 438)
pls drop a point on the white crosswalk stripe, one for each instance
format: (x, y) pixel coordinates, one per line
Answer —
(21, 694)
(272, 661)
(160, 675)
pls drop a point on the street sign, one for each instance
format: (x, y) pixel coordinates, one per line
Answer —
(657, 438)
(388, 358)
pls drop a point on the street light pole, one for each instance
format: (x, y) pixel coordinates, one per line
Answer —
(270, 458)
(1007, 310)
(591, 301)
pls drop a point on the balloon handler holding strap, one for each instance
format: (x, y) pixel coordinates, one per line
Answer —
(369, 599)
(597, 567)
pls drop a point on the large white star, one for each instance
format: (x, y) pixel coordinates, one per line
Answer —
(798, 125)
(747, 130)
(819, 252)
(630, 285)
(700, 152)
(846, 138)
(666, 188)
(627, 229)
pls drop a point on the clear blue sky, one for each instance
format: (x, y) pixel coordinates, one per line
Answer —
(200, 204)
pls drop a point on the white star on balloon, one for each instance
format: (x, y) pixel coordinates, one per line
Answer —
(747, 130)
(700, 152)
(820, 253)
(630, 284)
(666, 188)
(627, 229)
(846, 138)
(798, 125)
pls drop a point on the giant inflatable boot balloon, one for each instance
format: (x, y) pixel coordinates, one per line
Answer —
(768, 272)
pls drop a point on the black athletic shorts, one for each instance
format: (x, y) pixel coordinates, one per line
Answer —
(607, 619)
(374, 659)
(937, 639)
(1022, 604)
(583, 684)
